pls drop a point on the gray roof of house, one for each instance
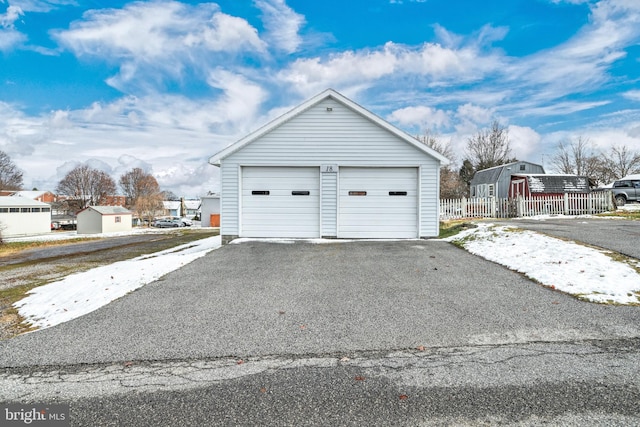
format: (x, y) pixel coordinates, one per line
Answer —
(110, 210)
(490, 175)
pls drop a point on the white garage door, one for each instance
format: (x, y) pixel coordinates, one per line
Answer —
(378, 203)
(280, 202)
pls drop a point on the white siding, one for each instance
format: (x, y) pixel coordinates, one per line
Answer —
(115, 223)
(329, 200)
(230, 199)
(429, 210)
(340, 137)
(210, 206)
(23, 224)
(89, 222)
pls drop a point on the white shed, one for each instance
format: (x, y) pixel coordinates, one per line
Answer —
(21, 216)
(104, 219)
(329, 168)
(210, 211)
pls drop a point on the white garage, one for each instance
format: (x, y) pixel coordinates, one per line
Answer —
(378, 203)
(329, 168)
(280, 202)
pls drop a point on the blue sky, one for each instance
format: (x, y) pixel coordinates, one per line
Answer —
(163, 85)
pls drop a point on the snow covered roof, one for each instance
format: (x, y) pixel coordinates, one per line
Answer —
(175, 204)
(31, 194)
(16, 201)
(633, 176)
(556, 184)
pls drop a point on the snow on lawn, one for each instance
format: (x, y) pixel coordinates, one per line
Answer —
(81, 293)
(566, 266)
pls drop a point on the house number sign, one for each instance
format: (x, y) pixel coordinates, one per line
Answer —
(329, 168)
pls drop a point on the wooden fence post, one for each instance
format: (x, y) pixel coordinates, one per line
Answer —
(520, 207)
(566, 203)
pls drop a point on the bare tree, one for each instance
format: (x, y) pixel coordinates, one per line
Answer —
(147, 206)
(575, 157)
(451, 184)
(87, 186)
(489, 147)
(142, 192)
(620, 162)
(10, 176)
(137, 183)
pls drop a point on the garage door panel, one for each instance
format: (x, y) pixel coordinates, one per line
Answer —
(274, 210)
(387, 206)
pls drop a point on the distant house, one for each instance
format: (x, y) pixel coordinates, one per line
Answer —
(495, 181)
(21, 216)
(538, 185)
(41, 196)
(186, 208)
(104, 219)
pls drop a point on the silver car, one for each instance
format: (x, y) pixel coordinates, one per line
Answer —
(167, 223)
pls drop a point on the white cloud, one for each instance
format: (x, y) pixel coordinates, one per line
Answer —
(583, 61)
(524, 142)
(282, 24)
(41, 5)
(426, 118)
(429, 64)
(633, 95)
(9, 36)
(563, 108)
(149, 40)
(171, 136)
(474, 113)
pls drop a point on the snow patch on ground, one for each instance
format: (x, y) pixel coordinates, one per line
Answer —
(82, 293)
(566, 266)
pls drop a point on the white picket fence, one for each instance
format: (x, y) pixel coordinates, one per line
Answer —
(490, 207)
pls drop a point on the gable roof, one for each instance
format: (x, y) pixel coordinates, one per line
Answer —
(555, 184)
(109, 210)
(329, 93)
(491, 175)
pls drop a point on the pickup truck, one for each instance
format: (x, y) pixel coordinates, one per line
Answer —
(626, 190)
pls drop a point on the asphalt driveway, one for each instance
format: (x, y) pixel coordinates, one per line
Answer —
(265, 299)
(615, 234)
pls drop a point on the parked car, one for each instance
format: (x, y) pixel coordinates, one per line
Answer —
(626, 190)
(186, 222)
(167, 223)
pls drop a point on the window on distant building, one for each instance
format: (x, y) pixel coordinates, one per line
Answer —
(491, 190)
(523, 167)
(118, 219)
